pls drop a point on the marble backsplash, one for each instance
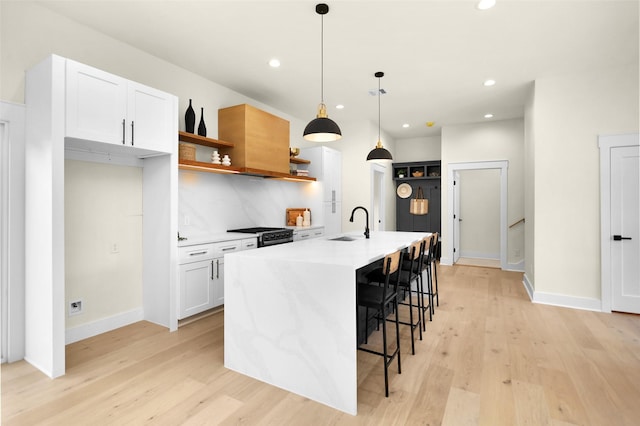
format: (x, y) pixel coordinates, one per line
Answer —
(211, 203)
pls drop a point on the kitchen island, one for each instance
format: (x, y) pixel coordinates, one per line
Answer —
(290, 313)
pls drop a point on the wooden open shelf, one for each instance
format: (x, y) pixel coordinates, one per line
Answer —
(201, 140)
(200, 166)
(296, 160)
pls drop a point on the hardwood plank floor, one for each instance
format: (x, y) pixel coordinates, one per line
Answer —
(490, 357)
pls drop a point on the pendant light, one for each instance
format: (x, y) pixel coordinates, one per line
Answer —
(379, 154)
(322, 128)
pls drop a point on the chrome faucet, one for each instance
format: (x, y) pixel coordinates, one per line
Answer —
(366, 230)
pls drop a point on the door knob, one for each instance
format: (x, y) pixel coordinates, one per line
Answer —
(620, 237)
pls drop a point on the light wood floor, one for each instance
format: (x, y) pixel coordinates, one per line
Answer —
(490, 357)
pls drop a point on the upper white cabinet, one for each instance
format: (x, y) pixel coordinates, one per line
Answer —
(326, 166)
(103, 107)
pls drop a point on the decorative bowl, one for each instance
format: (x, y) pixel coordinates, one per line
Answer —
(417, 173)
(293, 152)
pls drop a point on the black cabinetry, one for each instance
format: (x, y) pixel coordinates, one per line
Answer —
(425, 175)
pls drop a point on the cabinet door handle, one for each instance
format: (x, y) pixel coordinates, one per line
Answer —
(620, 238)
(228, 248)
(132, 132)
(212, 270)
(123, 122)
(217, 268)
(197, 253)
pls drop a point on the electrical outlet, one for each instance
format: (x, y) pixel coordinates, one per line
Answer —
(75, 307)
(115, 248)
(187, 220)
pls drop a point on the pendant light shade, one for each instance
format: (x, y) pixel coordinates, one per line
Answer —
(379, 154)
(322, 128)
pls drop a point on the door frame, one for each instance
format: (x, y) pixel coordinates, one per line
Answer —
(12, 226)
(455, 217)
(605, 144)
(453, 168)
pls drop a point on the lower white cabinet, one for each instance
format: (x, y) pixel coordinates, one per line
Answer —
(202, 275)
(306, 234)
(196, 288)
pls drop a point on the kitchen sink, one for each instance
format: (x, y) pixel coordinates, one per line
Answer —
(343, 238)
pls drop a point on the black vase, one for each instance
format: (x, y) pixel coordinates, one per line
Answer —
(202, 129)
(190, 119)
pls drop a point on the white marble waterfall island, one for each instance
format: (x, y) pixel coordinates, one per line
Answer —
(290, 313)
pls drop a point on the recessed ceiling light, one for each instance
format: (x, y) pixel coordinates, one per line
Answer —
(489, 82)
(339, 106)
(488, 116)
(485, 4)
(274, 63)
(405, 125)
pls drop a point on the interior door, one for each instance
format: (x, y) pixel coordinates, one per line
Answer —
(456, 216)
(625, 229)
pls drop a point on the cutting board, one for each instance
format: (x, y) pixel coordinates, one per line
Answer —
(293, 213)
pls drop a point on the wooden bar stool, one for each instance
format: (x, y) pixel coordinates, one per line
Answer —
(384, 300)
(409, 274)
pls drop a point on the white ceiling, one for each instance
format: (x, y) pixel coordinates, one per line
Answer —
(435, 54)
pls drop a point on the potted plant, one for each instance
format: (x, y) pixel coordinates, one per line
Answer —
(400, 173)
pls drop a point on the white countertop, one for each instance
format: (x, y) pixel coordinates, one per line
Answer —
(290, 316)
(324, 250)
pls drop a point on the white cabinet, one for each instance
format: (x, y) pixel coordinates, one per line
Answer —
(50, 97)
(202, 275)
(196, 288)
(326, 167)
(306, 234)
(103, 107)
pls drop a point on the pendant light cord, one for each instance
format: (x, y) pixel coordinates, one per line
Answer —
(322, 58)
(379, 96)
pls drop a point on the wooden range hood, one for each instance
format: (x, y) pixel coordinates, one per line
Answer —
(260, 139)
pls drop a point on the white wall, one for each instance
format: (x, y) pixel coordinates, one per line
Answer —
(103, 208)
(569, 112)
(358, 140)
(492, 141)
(417, 149)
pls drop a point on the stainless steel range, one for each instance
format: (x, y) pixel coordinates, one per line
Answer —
(268, 236)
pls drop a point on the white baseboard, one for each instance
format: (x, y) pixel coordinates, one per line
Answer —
(528, 286)
(103, 325)
(446, 261)
(516, 267)
(554, 299)
(584, 303)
